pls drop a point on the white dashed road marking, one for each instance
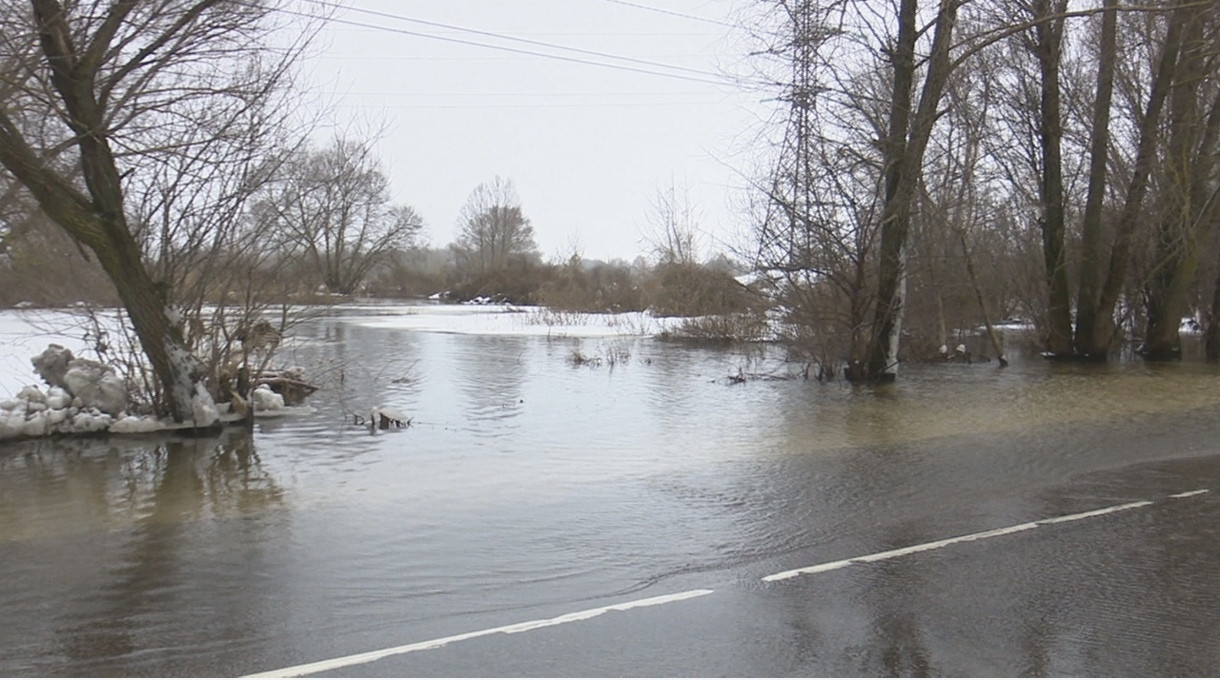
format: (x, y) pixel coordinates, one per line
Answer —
(936, 545)
(369, 657)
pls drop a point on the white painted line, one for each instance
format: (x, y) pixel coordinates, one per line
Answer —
(815, 569)
(898, 552)
(936, 545)
(1094, 513)
(369, 657)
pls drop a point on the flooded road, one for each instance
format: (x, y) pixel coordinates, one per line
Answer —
(528, 486)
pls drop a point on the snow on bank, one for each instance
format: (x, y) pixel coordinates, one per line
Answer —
(25, 333)
(511, 320)
(35, 410)
(38, 411)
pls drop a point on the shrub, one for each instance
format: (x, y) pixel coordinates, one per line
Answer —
(682, 289)
(750, 326)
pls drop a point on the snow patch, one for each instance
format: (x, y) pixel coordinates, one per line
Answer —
(137, 425)
(204, 409)
(37, 414)
(265, 400)
(30, 410)
(58, 398)
(518, 321)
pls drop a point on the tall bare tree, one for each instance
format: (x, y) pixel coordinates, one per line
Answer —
(1186, 183)
(1092, 246)
(95, 97)
(493, 229)
(903, 153)
(332, 206)
(1045, 42)
(1096, 326)
(674, 227)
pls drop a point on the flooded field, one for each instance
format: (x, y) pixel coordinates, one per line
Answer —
(524, 481)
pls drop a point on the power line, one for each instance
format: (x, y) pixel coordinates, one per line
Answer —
(704, 76)
(388, 93)
(352, 56)
(499, 107)
(671, 13)
(558, 57)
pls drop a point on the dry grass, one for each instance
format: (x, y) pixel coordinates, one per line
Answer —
(612, 356)
(723, 329)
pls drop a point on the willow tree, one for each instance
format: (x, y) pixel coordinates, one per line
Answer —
(100, 94)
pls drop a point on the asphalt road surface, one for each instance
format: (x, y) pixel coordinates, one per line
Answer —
(1121, 578)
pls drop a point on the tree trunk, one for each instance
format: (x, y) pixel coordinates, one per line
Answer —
(1048, 48)
(903, 155)
(887, 317)
(98, 219)
(1211, 334)
(1187, 213)
(1099, 146)
(1093, 341)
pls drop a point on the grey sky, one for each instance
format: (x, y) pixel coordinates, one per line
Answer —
(587, 146)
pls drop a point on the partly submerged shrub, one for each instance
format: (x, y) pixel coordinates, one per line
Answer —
(723, 328)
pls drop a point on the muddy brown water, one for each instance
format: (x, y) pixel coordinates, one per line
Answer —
(524, 482)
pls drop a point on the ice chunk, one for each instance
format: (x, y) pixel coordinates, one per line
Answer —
(96, 385)
(266, 399)
(35, 425)
(203, 407)
(52, 364)
(136, 424)
(58, 398)
(32, 395)
(90, 422)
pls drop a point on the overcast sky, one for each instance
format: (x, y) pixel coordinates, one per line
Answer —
(587, 145)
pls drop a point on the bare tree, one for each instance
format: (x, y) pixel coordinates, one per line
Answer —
(851, 175)
(910, 125)
(815, 220)
(1096, 325)
(881, 126)
(1186, 183)
(494, 231)
(1092, 233)
(1045, 43)
(97, 96)
(332, 207)
(673, 227)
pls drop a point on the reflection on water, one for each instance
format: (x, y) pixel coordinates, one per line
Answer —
(527, 482)
(104, 545)
(70, 486)
(490, 372)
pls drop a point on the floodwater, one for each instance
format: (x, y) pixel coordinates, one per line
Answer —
(525, 483)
